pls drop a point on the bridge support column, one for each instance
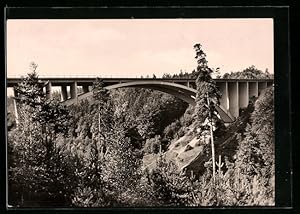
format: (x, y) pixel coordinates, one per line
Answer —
(253, 89)
(224, 101)
(64, 93)
(188, 84)
(233, 98)
(193, 85)
(85, 88)
(262, 86)
(73, 90)
(16, 107)
(243, 94)
(48, 90)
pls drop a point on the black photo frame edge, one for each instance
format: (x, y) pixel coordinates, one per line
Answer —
(282, 71)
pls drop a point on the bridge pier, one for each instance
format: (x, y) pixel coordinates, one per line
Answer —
(253, 89)
(16, 107)
(243, 94)
(187, 84)
(224, 101)
(64, 93)
(233, 98)
(48, 90)
(73, 90)
(262, 86)
(85, 88)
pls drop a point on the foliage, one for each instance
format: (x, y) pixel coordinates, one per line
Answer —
(56, 96)
(112, 166)
(147, 112)
(250, 179)
(92, 188)
(188, 75)
(249, 73)
(153, 145)
(167, 185)
(207, 98)
(171, 130)
(122, 168)
(206, 88)
(256, 151)
(41, 171)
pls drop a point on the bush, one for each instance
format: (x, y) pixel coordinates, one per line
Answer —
(152, 145)
(172, 129)
(188, 118)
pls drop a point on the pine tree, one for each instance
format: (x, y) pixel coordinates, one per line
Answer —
(122, 165)
(102, 111)
(112, 167)
(92, 191)
(207, 97)
(250, 179)
(42, 169)
(167, 186)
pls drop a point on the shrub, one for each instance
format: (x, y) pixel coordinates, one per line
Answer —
(152, 145)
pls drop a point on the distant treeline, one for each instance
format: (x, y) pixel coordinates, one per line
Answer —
(248, 73)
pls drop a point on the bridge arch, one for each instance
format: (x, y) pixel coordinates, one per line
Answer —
(184, 93)
(180, 91)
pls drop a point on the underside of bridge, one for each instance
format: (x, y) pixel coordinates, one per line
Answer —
(185, 93)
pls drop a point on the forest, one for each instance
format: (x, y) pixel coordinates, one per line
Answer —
(137, 147)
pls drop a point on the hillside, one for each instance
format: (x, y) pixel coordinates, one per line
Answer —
(189, 152)
(102, 148)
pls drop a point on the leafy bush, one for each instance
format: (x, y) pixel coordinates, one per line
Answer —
(153, 145)
(172, 129)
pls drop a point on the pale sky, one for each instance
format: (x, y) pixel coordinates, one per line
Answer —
(135, 47)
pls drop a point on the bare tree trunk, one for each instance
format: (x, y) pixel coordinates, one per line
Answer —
(99, 121)
(212, 143)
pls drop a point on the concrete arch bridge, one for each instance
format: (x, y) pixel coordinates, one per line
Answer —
(236, 93)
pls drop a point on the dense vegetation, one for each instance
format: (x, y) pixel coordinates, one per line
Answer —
(92, 154)
(249, 73)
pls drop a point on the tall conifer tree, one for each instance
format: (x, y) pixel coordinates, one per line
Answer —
(206, 98)
(41, 172)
